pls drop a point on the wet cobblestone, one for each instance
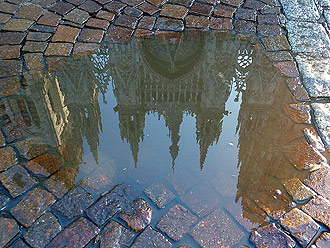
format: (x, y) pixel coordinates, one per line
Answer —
(45, 165)
(323, 241)
(151, 238)
(159, 194)
(319, 209)
(298, 190)
(319, 181)
(8, 158)
(8, 230)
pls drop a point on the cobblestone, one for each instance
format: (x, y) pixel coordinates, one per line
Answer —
(127, 21)
(19, 25)
(65, 34)
(30, 12)
(19, 243)
(9, 86)
(77, 16)
(319, 181)
(8, 158)
(61, 182)
(11, 38)
(169, 24)
(151, 238)
(246, 14)
(10, 68)
(297, 89)
(193, 21)
(45, 165)
(31, 148)
(323, 241)
(276, 43)
(34, 47)
(59, 49)
(118, 34)
(159, 194)
(97, 23)
(322, 117)
(300, 10)
(91, 35)
(49, 19)
(8, 230)
(10, 51)
(298, 190)
(173, 11)
(319, 209)
(4, 199)
(221, 23)
(201, 9)
(298, 112)
(313, 138)
(38, 36)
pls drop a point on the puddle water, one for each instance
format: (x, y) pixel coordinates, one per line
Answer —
(201, 115)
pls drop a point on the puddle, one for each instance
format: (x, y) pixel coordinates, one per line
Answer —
(199, 113)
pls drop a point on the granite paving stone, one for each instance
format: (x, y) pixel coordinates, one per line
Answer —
(176, 222)
(115, 6)
(151, 238)
(34, 60)
(169, 24)
(85, 48)
(147, 22)
(200, 199)
(313, 138)
(8, 230)
(66, 34)
(254, 4)
(319, 181)
(132, 12)
(108, 205)
(4, 18)
(34, 46)
(105, 15)
(77, 235)
(43, 28)
(19, 25)
(9, 86)
(59, 49)
(193, 21)
(29, 11)
(298, 190)
(137, 215)
(245, 26)
(61, 7)
(74, 202)
(56, 63)
(76, 2)
(246, 14)
(143, 33)
(45, 164)
(117, 34)
(8, 157)
(115, 235)
(43, 3)
(91, 35)
(38, 36)
(201, 9)
(49, 19)
(8, 7)
(32, 206)
(97, 23)
(161, 2)
(322, 116)
(11, 38)
(298, 112)
(319, 209)
(302, 155)
(19, 127)
(276, 43)
(2, 139)
(323, 241)
(4, 199)
(213, 231)
(31, 148)
(19, 243)
(43, 230)
(268, 9)
(269, 30)
(127, 21)
(300, 225)
(134, 3)
(90, 6)
(297, 89)
(61, 182)
(16, 180)
(10, 51)
(224, 11)
(174, 11)
(77, 16)
(272, 237)
(221, 23)
(300, 10)
(235, 3)
(159, 194)
(268, 19)
(148, 8)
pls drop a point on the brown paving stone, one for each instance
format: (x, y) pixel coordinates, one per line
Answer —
(221, 23)
(43, 230)
(313, 138)
(254, 4)
(19, 243)
(297, 89)
(8, 7)
(16, 180)
(126, 21)
(224, 11)
(269, 19)
(90, 6)
(2, 138)
(105, 15)
(77, 2)
(114, 201)
(38, 36)
(287, 68)
(319, 181)
(132, 12)
(272, 237)
(115, 235)
(298, 112)
(34, 60)
(77, 235)
(10, 68)
(61, 7)
(176, 222)
(34, 46)
(91, 35)
(235, 3)
(30, 11)
(269, 30)
(161, 2)
(85, 48)
(246, 14)
(11, 38)
(19, 25)
(280, 56)
(66, 34)
(10, 52)
(169, 24)
(115, 6)
(201, 9)
(148, 8)
(4, 18)
(276, 43)
(77, 16)
(118, 34)
(49, 19)
(298, 190)
(55, 63)
(74, 202)
(45, 165)
(193, 21)
(319, 209)
(143, 33)
(323, 241)
(132, 3)
(159, 194)
(137, 215)
(173, 11)
(59, 49)
(43, 28)
(186, 3)
(200, 199)
(8, 230)
(147, 22)
(300, 225)
(61, 182)
(32, 206)
(213, 231)
(44, 3)
(151, 238)
(18, 127)
(302, 155)
(244, 26)
(97, 23)
(31, 148)
(9, 86)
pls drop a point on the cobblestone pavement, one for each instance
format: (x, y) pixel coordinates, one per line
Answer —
(41, 33)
